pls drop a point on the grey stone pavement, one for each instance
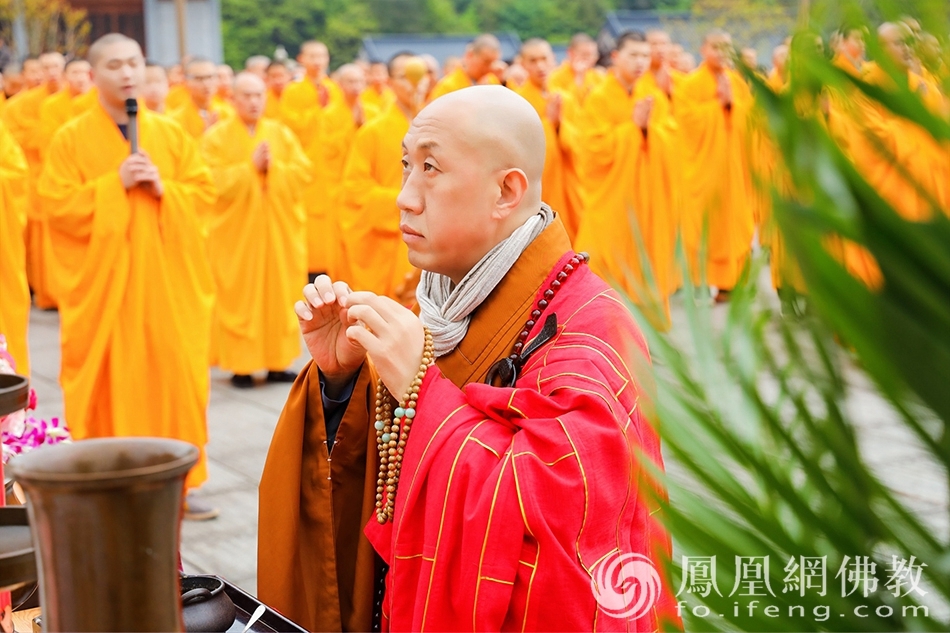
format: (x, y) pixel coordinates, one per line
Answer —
(241, 424)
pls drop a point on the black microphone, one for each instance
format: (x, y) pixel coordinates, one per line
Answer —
(132, 109)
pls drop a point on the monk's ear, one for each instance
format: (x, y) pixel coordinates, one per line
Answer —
(512, 190)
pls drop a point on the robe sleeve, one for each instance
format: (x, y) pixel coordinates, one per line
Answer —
(603, 138)
(301, 117)
(570, 134)
(290, 173)
(233, 179)
(14, 171)
(336, 137)
(309, 534)
(74, 204)
(190, 195)
(13, 165)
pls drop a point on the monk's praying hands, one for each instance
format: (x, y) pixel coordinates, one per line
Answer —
(392, 336)
(138, 169)
(323, 324)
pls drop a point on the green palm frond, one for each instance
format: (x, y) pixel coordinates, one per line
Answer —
(766, 454)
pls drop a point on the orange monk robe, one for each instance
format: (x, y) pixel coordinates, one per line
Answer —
(456, 80)
(55, 112)
(378, 99)
(300, 107)
(775, 81)
(717, 173)
(651, 85)
(563, 79)
(301, 111)
(14, 291)
(560, 183)
(635, 194)
(189, 116)
(177, 96)
(272, 105)
(22, 117)
(317, 569)
(59, 109)
(222, 103)
(256, 245)
(377, 258)
(912, 146)
(337, 135)
(843, 117)
(135, 309)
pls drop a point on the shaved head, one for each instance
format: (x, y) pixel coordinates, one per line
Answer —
(499, 124)
(473, 161)
(247, 80)
(485, 42)
(101, 45)
(537, 58)
(249, 91)
(894, 38)
(352, 81)
(580, 39)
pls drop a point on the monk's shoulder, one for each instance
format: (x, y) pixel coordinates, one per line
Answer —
(594, 310)
(169, 132)
(82, 126)
(279, 135)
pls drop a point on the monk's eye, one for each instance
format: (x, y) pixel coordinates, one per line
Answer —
(428, 167)
(405, 165)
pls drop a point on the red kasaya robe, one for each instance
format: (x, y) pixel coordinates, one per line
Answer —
(510, 497)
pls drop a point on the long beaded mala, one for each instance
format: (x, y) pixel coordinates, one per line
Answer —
(392, 431)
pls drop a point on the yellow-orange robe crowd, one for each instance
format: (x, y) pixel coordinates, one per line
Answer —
(256, 245)
(377, 258)
(456, 80)
(189, 116)
(301, 111)
(560, 183)
(135, 308)
(718, 176)
(22, 117)
(14, 291)
(631, 223)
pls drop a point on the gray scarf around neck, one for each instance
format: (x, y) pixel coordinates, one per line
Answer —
(446, 311)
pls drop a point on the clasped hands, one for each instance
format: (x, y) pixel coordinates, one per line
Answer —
(138, 169)
(341, 328)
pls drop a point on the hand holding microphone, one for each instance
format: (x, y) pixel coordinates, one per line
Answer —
(138, 167)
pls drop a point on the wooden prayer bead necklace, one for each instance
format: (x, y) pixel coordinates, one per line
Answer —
(504, 373)
(392, 431)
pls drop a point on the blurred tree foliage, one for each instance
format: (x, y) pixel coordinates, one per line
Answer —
(255, 27)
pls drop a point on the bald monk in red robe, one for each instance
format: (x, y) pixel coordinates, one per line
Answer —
(520, 419)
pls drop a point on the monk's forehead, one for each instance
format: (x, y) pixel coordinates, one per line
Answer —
(658, 37)
(315, 47)
(119, 51)
(438, 129)
(536, 48)
(201, 68)
(248, 84)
